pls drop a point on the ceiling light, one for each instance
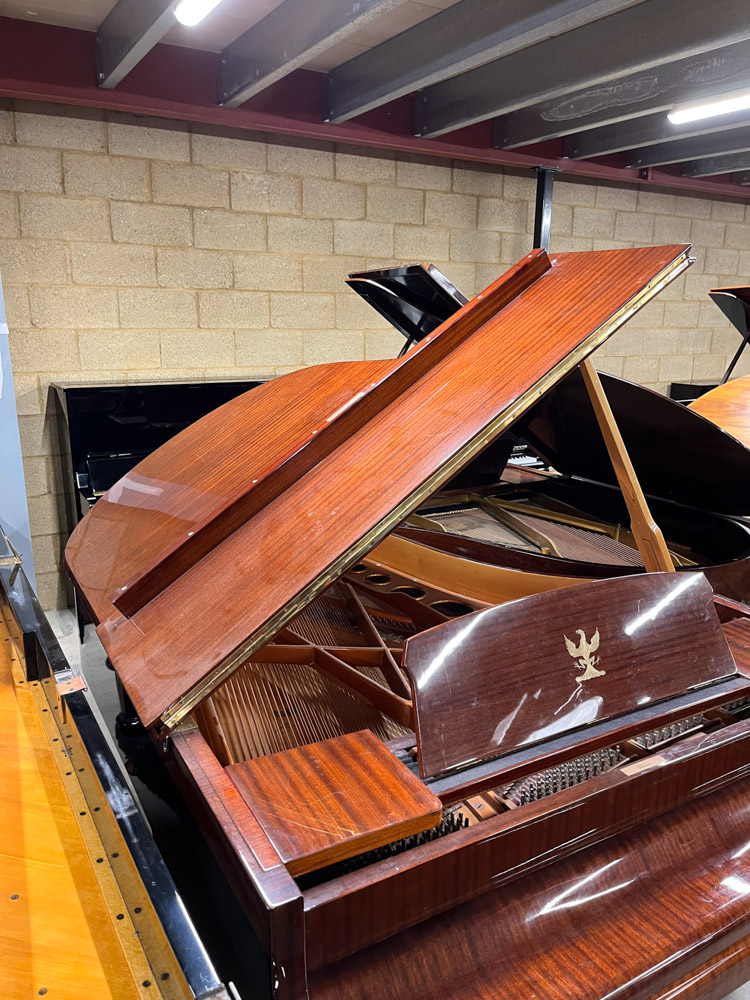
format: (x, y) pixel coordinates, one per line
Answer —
(191, 12)
(723, 104)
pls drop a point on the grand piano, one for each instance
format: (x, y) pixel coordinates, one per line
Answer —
(416, 796)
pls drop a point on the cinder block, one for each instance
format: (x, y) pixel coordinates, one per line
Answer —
(636, 227)
(520, 186)
(7, 132)
(103, 350)
(478, 178)
(159, 225)
(478, 247)
(197, 348)
(17, 312)
(179, 184)
(391, 204)
(653, 199)
(577, 192)
(33, 262)
(61, 127)
(44, 351)
(53, 591)
(269, 348)
(611, 365)
(737, 236)
(30, 169)
(459, 211)
(561, 222)
(219, 147)
(727, 211)
(327, 274)
(266, 193)
(619, 196)
(463, 274)
(302, 311)
(639, 369)
(382, 344)
(320, 347)
(300, 235)
(722, 261)
(418, 243)
(64, 218)
(708, 366)
(503, 216)
(194, 268)
(268, 272)
(28, 399)
(594, 223)
(514, 246)
(152, 138)
(70, 307)
(696, 341)
(423, 172)
(324, 199)
(353, 313)
(675, 368)
(35, 469)
(660, 342)
(299, 157)
(709, 234)
(216, 229)
(157, 308)
(671, 229)
(650, 317)
(693, 208)
(9, 222)
(233, 310)
(364, 166)
(112, 264)
(106, 177)
(679, 314)
(369, 238)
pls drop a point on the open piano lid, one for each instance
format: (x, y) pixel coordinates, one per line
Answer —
(677, 454)
(415, 298)
(213, 543)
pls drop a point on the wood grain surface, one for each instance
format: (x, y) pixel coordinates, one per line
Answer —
(57, 927)
(627, 919)
(531, 670)
(728, 406)
(456, 391)
(328, 801)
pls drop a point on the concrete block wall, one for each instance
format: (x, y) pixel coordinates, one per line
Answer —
(135, 248)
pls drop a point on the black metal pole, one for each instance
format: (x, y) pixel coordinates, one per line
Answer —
(545, 179)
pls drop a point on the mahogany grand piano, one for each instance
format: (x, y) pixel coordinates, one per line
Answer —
(416, 795)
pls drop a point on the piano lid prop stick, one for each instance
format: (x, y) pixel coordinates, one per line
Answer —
(647, 534)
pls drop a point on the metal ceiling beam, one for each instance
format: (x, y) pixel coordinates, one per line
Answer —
(457, 39)
(735, 140)
(625, 98)
(293, 34)
(647, 130)
(630, 41)
(127, 33)
(717, 165)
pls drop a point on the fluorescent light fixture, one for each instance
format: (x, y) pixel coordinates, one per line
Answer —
(723, 104)
(191, 12)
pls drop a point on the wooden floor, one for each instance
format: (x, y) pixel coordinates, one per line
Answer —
(57, 915)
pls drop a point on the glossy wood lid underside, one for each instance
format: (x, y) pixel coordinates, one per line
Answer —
(187, 569)
(728, 406)
(528, 671)
(331, 800)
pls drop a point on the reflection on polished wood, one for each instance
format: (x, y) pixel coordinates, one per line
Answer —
(728, 406)
(57, 922)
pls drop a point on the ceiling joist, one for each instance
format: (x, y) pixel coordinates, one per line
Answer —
(128, 32)
(457, 39)
(714, 165)
(632, 40)
(735, 140)
(293, 34)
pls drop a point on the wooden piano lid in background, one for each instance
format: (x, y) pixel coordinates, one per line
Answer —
(215, 541)
(728, 406)
(329, 801)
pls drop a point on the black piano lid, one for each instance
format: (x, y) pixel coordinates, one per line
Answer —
(677, 454)
(414, 298)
